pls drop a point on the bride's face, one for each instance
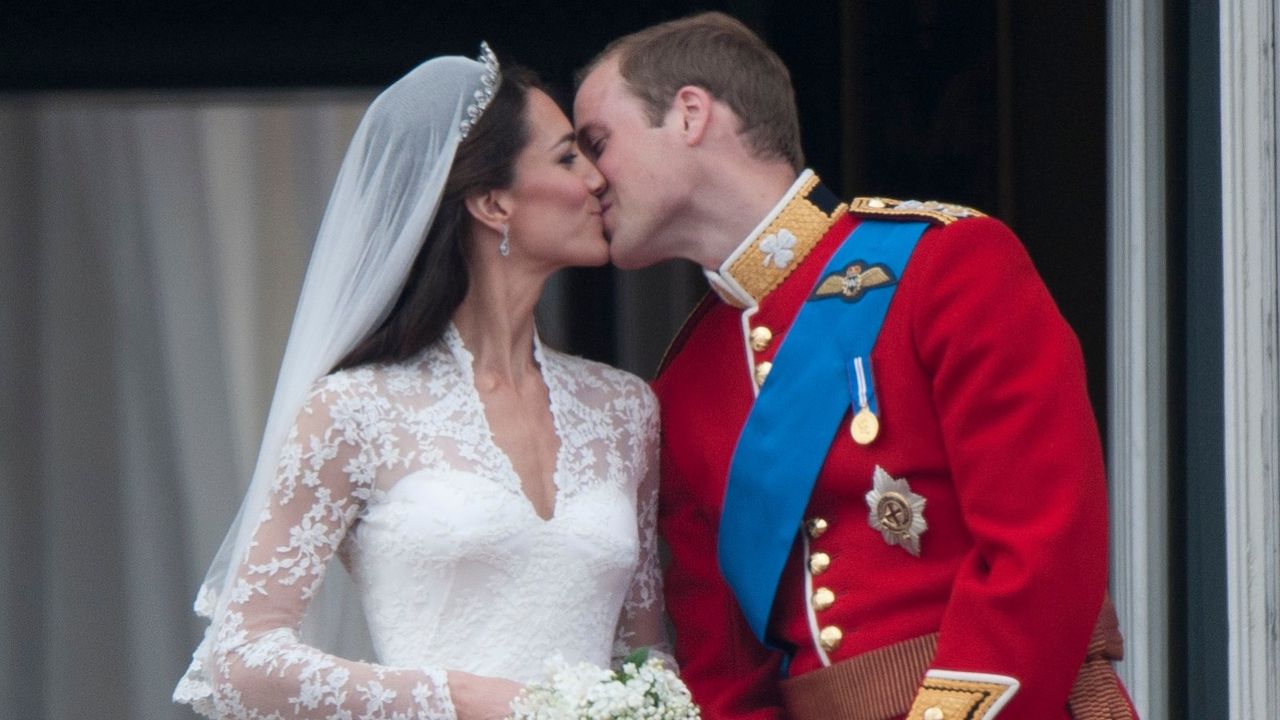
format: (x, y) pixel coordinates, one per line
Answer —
(555, 203)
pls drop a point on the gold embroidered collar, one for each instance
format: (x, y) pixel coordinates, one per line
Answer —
(778, 244)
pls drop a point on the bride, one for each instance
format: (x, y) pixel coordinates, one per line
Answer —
(492, 499)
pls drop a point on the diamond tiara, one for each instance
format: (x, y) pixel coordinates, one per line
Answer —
(484, 94)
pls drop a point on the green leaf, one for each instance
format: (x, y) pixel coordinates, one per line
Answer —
(637, 657)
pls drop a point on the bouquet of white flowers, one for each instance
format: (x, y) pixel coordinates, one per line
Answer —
(641, 689)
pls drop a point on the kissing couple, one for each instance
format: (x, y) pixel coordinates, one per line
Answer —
(869, 452)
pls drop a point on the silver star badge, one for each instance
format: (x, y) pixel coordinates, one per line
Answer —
(896, 512)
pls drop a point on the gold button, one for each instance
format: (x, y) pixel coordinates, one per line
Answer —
(816, 526)
(762, 371)
(829, 637)
(823, 599)
(875, 203)
(819, 562)
(933, 713)
(760, 338)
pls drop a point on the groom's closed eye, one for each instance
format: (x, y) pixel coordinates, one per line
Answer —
(590, 143)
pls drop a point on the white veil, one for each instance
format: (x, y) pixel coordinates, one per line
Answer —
(382, 205)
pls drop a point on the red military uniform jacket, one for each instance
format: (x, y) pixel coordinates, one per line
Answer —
(983, 414)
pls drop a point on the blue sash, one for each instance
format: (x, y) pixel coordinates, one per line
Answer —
(791, 426)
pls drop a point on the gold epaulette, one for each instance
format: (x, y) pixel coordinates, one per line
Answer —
(932, 211)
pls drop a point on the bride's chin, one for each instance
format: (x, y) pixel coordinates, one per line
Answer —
(597, 255)
(598, 261)
(583, 260)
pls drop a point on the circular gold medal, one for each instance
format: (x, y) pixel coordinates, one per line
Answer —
(865, 427)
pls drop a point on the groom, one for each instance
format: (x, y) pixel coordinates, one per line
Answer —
(883, 486)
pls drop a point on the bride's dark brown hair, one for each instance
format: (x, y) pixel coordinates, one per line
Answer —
(439, 277)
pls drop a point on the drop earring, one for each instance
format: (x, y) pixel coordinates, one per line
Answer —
(504, 247)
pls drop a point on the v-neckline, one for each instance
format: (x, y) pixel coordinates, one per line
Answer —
(466, 362)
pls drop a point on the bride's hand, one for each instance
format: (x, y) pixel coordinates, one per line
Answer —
(477, 697)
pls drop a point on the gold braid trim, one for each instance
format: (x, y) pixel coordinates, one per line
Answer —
(932, 211)
(757, 270)
(942, 699)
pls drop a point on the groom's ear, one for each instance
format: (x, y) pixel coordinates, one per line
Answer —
(692, 109)
(491, 209)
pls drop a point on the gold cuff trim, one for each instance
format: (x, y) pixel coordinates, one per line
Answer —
(955, 695)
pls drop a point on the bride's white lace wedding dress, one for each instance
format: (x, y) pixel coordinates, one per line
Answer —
(394, 467)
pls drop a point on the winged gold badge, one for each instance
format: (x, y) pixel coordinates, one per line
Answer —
(850, 283)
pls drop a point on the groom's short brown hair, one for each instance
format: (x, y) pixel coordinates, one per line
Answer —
(720, 54)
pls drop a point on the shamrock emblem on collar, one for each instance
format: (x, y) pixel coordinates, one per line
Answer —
(777, 248)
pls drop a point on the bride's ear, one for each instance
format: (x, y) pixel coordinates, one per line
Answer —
(491, 209)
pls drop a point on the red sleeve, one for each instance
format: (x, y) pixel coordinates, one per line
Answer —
(730, 674)
(1026, 459)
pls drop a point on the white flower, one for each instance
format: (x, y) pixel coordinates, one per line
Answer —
(587, 692)
(777, 248)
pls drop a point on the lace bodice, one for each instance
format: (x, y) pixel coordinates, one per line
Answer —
(395, 468)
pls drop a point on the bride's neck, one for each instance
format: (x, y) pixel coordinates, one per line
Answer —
(496, 322)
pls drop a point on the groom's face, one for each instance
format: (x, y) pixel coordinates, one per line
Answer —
(636, 159)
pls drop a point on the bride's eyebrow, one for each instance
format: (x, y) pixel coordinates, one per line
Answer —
(567, 138)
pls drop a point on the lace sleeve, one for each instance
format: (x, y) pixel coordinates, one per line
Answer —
(643, 620)
(261, 669)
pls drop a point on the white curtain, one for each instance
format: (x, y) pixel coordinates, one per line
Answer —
(151, 251)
